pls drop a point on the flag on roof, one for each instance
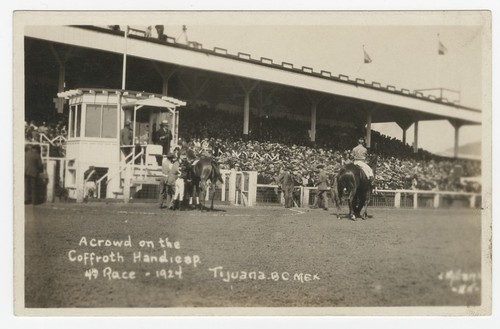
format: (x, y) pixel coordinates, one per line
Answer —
(367, 58)
(442, 50)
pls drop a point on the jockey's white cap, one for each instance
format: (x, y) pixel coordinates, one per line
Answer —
(164, 122)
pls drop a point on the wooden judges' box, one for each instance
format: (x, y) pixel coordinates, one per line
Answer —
(93, 149)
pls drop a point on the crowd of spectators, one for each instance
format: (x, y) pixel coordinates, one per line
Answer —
(47, 132)
(274, 143)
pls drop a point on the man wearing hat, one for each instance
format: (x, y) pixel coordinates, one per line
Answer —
(322, 185)
(285, 180)
(359, 157)
(165, 137)
(170, 170)
(126, 138)
(33, 169)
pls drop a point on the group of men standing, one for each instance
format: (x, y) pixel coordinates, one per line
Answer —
(176, 168)
(176, 176)
(286, 180)
(162, 136)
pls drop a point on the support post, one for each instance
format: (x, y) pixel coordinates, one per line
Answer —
(436, 200)
(397, 200)
(368, 129)
(305, 198)
(51, 172)
(415, 137)
(314, 108)
(62, 75)
(252, 188)
(124, 68)
(456, 124)
(314, 99)
(166, 72)
(246, 113)
(472, 201)
(404, 125)
(232, 187)
(247, 86)
(415, 200)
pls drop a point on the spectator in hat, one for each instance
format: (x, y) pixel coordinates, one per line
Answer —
(170, 171)
(164, 137)
(180, 183)
(285, 181)
(126, 138)
(154, 135)
(322, 185)
(33, 169)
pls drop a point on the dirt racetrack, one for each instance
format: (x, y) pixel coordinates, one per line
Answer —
(250, 257)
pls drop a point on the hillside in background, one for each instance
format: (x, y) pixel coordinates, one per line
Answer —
(467, 151)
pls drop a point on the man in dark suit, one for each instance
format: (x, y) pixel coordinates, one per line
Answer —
(322, 187)
(285, 180)
(33, 168)
(126, 138)
(165, 137)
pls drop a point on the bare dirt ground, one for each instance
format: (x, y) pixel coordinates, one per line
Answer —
(251, 257)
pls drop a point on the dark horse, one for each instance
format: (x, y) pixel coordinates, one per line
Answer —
(205, 171)
(352, 179)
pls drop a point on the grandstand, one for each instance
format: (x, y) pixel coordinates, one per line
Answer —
(254, 114)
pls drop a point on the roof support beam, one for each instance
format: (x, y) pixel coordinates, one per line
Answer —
(165, 71)
(195, 88)
(415, 137)
(314, 99)
(456, 124)
(248, 86)
(404, 125)
(61, 58)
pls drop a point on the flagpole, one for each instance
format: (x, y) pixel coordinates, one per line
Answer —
(440, 66)
(124, 69)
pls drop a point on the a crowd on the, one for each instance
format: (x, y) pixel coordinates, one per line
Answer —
(275, 143)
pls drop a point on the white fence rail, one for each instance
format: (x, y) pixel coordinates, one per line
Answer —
(240, 188)
(305, 196)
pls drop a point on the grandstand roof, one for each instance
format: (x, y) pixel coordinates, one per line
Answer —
(387, 103)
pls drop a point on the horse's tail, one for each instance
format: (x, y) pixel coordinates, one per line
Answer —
(345, 180)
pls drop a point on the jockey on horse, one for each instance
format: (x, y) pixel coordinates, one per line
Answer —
(203, 170)
(357, 180)
(359, 156)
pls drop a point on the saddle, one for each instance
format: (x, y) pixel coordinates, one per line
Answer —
(366, 170)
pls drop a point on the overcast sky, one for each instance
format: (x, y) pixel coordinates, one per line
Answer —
(403, 49)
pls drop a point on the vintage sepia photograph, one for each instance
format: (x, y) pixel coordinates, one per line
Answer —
(252, 163)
